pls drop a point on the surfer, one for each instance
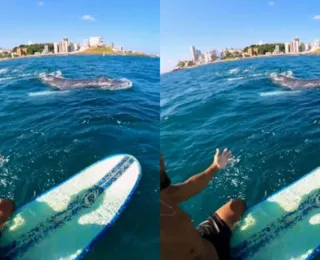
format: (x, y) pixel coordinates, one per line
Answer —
(211, 239)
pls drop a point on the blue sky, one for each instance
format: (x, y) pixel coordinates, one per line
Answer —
(131, 24)
(210, 24)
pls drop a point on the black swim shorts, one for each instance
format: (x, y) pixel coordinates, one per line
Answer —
(218, 233)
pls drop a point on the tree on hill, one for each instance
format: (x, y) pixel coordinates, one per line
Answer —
(180, 64)
(264, 48)
(5, 55)
(33, 48)
(190, 63)
(302, 48)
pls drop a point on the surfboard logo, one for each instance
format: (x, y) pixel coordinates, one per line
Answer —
(317, 200)
(90, 198)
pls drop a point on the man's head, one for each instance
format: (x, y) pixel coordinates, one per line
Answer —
(164, 179)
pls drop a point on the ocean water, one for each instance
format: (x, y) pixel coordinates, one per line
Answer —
(273, 132)
(47, 136)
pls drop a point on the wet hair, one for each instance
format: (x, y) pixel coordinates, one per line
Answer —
(165, 181)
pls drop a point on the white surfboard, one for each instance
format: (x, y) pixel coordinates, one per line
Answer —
(64, 222)
(285, 226)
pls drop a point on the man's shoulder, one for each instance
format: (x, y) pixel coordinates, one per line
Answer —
(169, 191)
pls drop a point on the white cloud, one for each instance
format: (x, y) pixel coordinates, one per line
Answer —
(271, 3)
(40, 3)
(87, 17)
(316, 17)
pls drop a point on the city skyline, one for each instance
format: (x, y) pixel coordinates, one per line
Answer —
(219, 25)
(295, 46)
(47, 21)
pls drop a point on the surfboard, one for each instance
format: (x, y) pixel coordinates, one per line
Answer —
(284, 226)
(65, 222)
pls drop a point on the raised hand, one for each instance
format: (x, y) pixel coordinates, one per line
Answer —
(222, 160)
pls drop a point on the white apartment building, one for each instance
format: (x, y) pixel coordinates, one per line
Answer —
(95, 41)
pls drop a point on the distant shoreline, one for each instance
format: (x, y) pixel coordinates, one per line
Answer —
(246, 58)
(79, 53)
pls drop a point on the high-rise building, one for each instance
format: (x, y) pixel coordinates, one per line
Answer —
(221, 54)
(65, 44)
(201, 58)
(252, 51)
(194, 53)
(210, 56)
(21, 51)
(316, 44)
(292, 47)
(75, 47)
(198, 54)
(276, 50)
(207, 57)
(55, 48)
(45, 49)
(61, 47)
(287, 47)
(295, 44)
(297, 41)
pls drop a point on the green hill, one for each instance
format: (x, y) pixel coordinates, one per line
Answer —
(99, 50)
(108, 51)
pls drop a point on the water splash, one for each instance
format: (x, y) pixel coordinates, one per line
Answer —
(278, 93)
(3, 71)
(46, 93)
(234, 71)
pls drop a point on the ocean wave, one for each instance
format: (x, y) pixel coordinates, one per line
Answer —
(246, 77)
(234, 71)
(257, 75)
(3, 71)
(46, 93)
(44, 75)
(7, 78)
(233, 79)
(287, 73)
(21, 76)
(277, 93)
(125, 84)
(3, 160)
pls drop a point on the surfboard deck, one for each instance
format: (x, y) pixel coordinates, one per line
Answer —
(284, 226)
(64, 222)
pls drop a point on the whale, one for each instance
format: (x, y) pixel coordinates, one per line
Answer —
(61, 83)
(294, 83)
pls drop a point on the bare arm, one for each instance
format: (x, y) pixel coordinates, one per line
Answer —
(195, 184)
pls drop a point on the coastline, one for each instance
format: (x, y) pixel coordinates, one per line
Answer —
(79, 53)
(248, 58)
